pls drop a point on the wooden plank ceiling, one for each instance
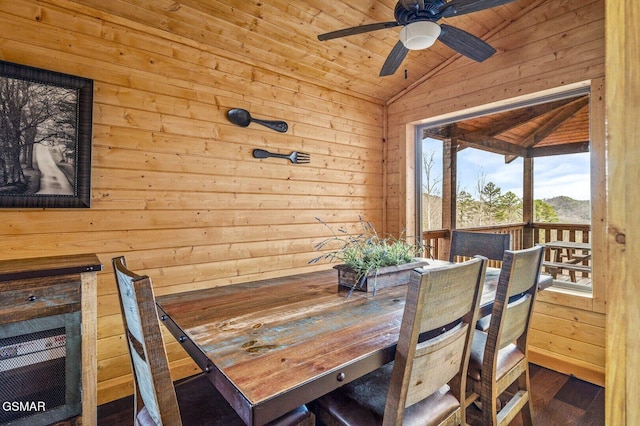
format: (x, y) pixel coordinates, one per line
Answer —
(281, 35)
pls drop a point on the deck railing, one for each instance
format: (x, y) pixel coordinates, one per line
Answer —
(545, 232)
(578, 233)
(432, 241)
(435, 240)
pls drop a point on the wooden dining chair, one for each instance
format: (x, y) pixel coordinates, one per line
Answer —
(490, 245)
(425, 383)
(468, 244)
(499, 356)
(155, 399)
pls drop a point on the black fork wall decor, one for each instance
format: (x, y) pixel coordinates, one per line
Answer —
(295, 157)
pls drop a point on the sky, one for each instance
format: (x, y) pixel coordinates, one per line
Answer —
(554, 176)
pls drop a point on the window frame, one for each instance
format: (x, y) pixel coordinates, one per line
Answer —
(596, 299)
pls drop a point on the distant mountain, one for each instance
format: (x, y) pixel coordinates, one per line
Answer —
(570, 210)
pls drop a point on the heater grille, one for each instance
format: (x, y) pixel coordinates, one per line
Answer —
(39, 377)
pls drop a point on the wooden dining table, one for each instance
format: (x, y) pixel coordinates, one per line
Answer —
(272, 345)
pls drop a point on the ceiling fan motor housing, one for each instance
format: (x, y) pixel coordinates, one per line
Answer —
(415, 13)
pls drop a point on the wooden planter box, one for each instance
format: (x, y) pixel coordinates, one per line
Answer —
(388, 276)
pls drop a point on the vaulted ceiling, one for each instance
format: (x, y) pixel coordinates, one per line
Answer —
(281, 35)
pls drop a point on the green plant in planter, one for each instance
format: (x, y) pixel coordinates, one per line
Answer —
(366, 252)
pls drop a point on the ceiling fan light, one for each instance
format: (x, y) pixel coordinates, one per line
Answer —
(419, 35)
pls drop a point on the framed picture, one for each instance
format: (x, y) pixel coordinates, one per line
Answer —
(45, 138)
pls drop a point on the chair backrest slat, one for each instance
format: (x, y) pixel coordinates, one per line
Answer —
(515, 320)
(468, 244)
(526, 270)
(448, 292)
(433, 366)
(437, 298)
(154, 391)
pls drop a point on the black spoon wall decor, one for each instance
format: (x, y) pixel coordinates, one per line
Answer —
(242, 118)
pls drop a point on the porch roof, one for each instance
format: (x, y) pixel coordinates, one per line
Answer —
(553, 128)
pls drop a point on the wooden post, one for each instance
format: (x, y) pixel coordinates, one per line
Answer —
(527, 202)
(449, 184)
(623, 227)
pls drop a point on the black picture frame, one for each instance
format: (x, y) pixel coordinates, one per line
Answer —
(45, 138)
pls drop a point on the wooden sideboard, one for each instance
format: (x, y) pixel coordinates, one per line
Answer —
(52, 286)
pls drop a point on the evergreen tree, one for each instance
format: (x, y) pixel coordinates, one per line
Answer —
(467, 209)
(509, 208)
(543, 212)
(490, 197)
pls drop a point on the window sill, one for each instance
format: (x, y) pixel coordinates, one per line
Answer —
(564, 296)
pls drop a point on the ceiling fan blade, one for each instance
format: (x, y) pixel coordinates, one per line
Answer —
(357, 30)
(462, 7)
(395, 58)
(465, 43)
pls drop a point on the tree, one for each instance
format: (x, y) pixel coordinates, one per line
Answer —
(509, 208)
(467, 209)
(432, 200)
(31, 113)
(13, 99)
(543, 212)
(490, 197)
(496, 208)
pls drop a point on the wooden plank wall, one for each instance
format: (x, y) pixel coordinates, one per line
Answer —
(174, 186)
(553, 45)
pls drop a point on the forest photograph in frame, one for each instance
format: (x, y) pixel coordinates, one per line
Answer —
(45, 138)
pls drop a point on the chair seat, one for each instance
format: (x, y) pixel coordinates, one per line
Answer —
(202, 405)
(507, 357)
(483, 323)
(362, 402)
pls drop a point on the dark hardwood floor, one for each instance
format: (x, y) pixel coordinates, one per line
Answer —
(557, 400)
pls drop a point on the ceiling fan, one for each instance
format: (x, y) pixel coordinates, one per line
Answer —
(420, 30)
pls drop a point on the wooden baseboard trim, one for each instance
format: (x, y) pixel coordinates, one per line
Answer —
(584, 371)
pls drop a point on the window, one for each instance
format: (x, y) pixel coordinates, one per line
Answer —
(545, 139)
